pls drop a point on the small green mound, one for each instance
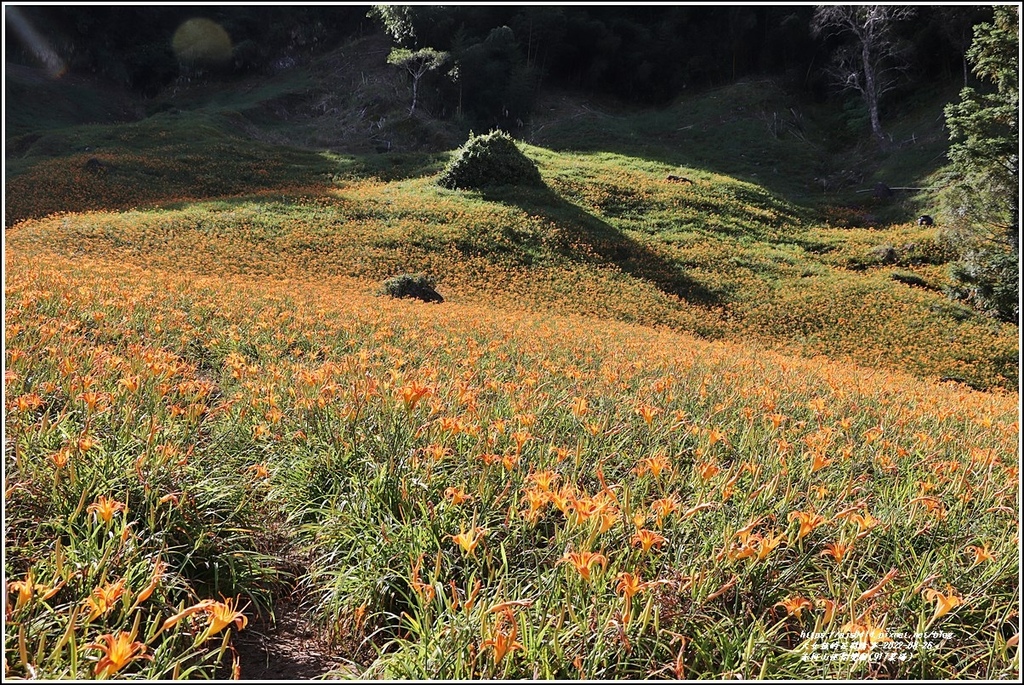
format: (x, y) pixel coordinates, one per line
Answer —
(489, 160)
(419, 286)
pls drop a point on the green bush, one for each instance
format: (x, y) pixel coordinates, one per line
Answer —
(419, 286)
(989, 280)
(488, 160)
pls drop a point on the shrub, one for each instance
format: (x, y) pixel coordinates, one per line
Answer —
(487, 160)
(989, 280)
(419, 286)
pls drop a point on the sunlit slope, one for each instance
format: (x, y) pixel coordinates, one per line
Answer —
(609, 236)
(248, 416)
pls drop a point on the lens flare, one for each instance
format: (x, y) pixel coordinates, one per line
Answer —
(201, 40)
(52, 62)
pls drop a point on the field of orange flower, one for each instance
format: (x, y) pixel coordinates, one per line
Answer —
(656, 430)
(472, 490)
(745, 267)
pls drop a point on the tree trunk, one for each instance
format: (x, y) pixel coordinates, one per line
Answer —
(871, 94)
(415, 86)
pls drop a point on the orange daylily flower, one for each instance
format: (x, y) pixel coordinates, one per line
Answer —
(607, 517)
(130, 383)
(259, 471)
(544, 479)
(865, 522)
(413, 393)
(27, 588)
(424, 590)
(24, 588)
(93, 400)
(819, 462)
(219, 616)
(932, 504)
(707, 470)
(830, 607)
(980, 554)
(28, 402)
(729, 487)
(768, 543)
(871, 435)
(563, 499)
(647, 412)
(521, 438)
(503, 641)
(103, 598)
(105, 508)
(61, 457)
(469, 539)
(744, 533)
(118, 652)
(795, 605)
(944, 603)
(438, 452)
(223, 614)
(836, 550)
(654, 465)
(663, 507)
(579, 407)
(584, 562)
(628, 584)
(647, 539)
(457, 495)
(755, 545)
(536, 500)
(808, 522)
(583, 508)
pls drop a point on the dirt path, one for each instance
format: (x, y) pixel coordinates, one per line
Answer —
(289, 650)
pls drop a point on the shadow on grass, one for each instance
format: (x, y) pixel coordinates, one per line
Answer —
(583, 237)
(392, 166)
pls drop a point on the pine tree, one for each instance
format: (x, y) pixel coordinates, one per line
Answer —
(980, 201)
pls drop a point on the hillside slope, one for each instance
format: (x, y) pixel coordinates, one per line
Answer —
(744, 248)
(255, 436)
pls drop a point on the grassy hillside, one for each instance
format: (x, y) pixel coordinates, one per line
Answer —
(658, 428)
(609, 237)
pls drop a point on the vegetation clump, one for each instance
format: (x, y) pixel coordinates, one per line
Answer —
(983, 178)
(488, 160)
(419, 286)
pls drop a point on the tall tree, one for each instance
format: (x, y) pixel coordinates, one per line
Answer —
(417, 63)
(983, 182)
(869, 63)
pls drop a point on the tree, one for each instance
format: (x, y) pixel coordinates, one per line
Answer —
(979, 202)
(870, 63)
(417, 63)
